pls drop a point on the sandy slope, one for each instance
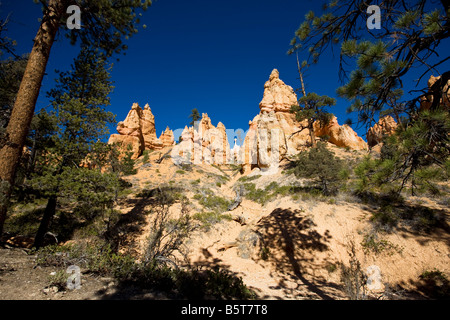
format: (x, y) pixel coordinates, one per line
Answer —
(306, 240)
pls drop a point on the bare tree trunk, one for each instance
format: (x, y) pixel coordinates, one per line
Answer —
(24, 105)
(310, 123)
(49, 212)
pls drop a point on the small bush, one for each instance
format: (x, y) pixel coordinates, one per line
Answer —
(353, 277)
(212, 202)
(371, 243)
(249, 178)
(210, 218)
(435, 284)
(94, 257)
(145, 156)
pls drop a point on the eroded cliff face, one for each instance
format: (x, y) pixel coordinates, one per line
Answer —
(273, 134)
(341, 136)
(385, 126)
(203, 143)
(138, 131)
(437, 88)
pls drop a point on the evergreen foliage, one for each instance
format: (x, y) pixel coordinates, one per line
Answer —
(379, 59)
(79, 121)
(323, 167)
(195, 116)
(417, 157)
(312, 108)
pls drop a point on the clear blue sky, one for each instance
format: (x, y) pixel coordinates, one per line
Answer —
(206, 54)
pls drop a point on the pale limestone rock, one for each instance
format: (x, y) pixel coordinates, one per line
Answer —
(204, 143)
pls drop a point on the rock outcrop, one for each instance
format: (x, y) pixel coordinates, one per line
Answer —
(275, 133)
(138, 131)
(386, 126)
(203, 143)
(436, 88)
(278, 96)
(341, 136)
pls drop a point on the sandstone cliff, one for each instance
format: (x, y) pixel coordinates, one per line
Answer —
(434, 85)
(274, 133)
(386, 126)
(138, 130)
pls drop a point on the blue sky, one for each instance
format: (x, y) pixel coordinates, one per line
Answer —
(211, 55)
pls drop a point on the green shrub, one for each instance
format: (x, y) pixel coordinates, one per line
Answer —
(94, 257)
(126, 164)
(319, 164)
(212, 202)
(210, 218)
(435, 284)
(249, 178)
(371, 243)
(145, 156)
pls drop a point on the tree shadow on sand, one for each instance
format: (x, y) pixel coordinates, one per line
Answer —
(292, 241)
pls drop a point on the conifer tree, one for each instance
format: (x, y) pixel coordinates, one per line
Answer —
(195, 116)
(311, 107)
(79, 100)
(380, 60)
(411, 34)
(105, 24)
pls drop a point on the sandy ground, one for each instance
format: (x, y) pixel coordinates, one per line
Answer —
(304, 241)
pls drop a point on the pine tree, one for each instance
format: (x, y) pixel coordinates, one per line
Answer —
(11, 73)
(411, 33)
(311, 107)
(105, 24)
(380, 62)
(195, 116)
(79, 100)
(321, 165)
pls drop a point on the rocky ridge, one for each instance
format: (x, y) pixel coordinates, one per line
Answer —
(138, 130)
(273, 134)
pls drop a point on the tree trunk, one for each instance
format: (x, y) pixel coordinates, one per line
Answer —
(24, 105)
(312, 135)
(49, 212)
